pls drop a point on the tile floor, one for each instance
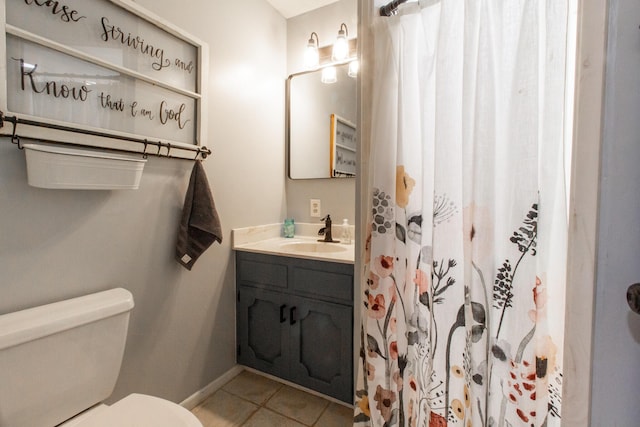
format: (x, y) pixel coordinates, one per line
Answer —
(251, 400)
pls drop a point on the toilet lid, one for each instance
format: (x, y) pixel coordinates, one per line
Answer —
(139, 410)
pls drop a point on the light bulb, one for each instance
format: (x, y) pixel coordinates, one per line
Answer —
(311, 55)
(340, 49)
(341, 45)
(329, 75)
(354, 67)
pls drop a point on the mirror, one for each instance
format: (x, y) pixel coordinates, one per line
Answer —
(321, 128)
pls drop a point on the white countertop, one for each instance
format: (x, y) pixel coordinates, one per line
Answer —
(267, 239)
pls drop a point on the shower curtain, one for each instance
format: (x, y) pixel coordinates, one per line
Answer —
(463, 289)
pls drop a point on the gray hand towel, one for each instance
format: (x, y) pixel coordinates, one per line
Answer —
(200, 225)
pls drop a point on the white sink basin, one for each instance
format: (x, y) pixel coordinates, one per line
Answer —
(313, 247)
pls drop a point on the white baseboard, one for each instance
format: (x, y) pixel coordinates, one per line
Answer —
(199, 396)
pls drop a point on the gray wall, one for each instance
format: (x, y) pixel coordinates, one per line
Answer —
(616, 348)
(56, 244)
(338, 196)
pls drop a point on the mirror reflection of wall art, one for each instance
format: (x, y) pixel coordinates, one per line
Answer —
(343, 147)
(310, 104)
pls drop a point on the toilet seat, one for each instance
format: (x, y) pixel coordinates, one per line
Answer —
(137, 410)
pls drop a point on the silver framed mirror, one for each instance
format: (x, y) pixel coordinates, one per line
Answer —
(320, 125)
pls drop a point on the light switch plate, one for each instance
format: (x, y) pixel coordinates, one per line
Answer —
(314, 208)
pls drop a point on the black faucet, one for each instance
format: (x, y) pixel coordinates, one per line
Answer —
(326, 231)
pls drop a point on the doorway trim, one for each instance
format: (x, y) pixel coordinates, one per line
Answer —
(583, 213)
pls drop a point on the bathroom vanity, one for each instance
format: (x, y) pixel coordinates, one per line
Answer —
(295, 314)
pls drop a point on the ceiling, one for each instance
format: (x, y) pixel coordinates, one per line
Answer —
(291, 8)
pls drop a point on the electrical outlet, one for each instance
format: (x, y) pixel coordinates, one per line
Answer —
(314, 208)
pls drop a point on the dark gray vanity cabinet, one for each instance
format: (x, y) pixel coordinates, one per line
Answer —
(295, 320)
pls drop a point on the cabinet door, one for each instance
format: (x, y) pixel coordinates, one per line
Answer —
(321, 347)
(263, 331)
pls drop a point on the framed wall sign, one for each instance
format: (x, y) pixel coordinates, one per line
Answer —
(107, 67)
(343, 147)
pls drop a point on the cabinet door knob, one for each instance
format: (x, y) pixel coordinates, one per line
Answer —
(282, 318)
(292, 316)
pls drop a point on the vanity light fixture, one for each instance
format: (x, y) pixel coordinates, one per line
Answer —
(311, 54)
(329, 75)
(316, 57)
(354, 67)
(341, 45)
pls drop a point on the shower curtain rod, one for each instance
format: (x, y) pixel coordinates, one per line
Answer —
(389, 8)
(15, 138)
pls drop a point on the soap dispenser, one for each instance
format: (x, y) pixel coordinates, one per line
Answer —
(346, 232)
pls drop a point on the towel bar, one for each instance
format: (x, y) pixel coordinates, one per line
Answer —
(15, 139)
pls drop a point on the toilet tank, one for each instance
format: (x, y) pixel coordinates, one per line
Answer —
(59, 359)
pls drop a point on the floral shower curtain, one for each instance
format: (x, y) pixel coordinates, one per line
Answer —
(465, 258)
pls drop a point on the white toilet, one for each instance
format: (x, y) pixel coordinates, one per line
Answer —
(59, 361)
